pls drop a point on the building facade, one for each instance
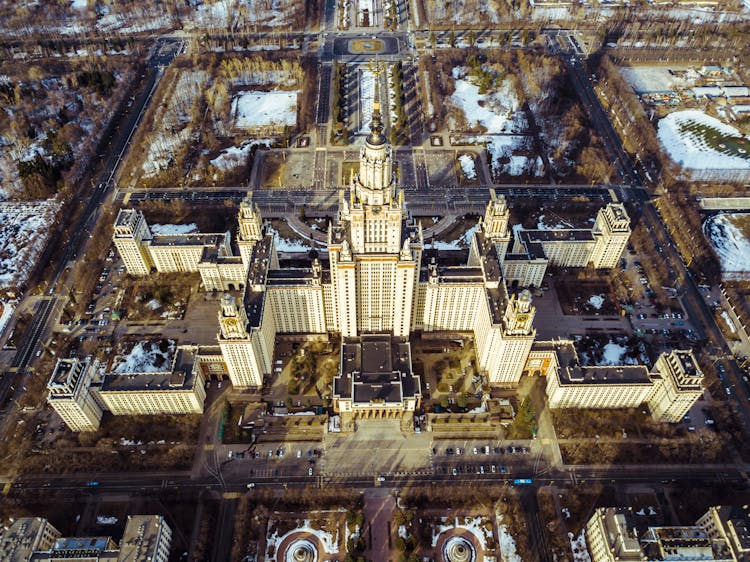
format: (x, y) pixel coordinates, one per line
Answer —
(146, 538)
(80, 391)
(24, 536)
(70, 395)
(378, 277)
(673, 386)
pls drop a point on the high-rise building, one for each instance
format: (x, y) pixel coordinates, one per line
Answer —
(374, 281)
(131, 236)
(678, 384)
(70, 395)
(147, 538)
(611, 233)
(730, 524)
(24, 536)
(611, 536)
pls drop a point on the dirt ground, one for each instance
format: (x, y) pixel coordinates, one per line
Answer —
(287, 170)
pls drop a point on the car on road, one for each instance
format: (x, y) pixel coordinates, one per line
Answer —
(92, 483)
(251, 485)
(309, 471)
(476, 451)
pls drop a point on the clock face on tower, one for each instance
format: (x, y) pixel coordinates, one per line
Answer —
(522, 318)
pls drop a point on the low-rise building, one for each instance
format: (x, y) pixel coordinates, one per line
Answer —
(375, 380)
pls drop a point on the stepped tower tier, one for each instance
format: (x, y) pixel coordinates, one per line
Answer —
(375, 184)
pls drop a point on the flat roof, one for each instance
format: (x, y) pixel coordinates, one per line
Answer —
(139, 540)
(212, 239)
(376, 368)
(559, 235)
(181, 378)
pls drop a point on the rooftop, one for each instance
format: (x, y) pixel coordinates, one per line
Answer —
(197, 239)
(376, 368)
(181, 377)
(140, 540)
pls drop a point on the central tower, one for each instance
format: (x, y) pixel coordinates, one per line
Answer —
(374, 249)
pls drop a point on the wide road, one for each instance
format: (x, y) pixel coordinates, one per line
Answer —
(573, 475)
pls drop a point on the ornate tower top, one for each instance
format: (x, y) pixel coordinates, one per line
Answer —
(375, 183)
(376, 137)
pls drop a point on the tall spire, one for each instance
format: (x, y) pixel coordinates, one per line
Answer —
(376, 136)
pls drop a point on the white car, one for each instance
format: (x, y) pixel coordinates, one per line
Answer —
(309, 471)
(251, 485)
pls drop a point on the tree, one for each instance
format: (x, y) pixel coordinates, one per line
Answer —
(452, 38)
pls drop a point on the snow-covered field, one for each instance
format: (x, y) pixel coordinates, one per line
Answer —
(254, 109)
(507, 543)
(694, 140)
(729, 237)
(148, 356)
(614, 354)
(467, 166)
(24, 229)
(492, 111)
(578, 547)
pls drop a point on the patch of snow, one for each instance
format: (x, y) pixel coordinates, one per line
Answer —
(596, 301)
(102, 520)
(681, 135)
(153, 304)
(501, 147)
(80, 4)
(170, 229)
(561, 224)
(613, 354)
(8, 309)
(461, 243)
(491, 111)
(24, 230)
(641, 512)
(728, 320)
(235, 156)
(731, 245)
(578, 547)
(402, 532)
(147, 357)
(286, 245)
(467, 166)
(253, 109)
(507, 544)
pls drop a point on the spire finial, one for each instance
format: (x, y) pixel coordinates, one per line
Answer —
(376, 68)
